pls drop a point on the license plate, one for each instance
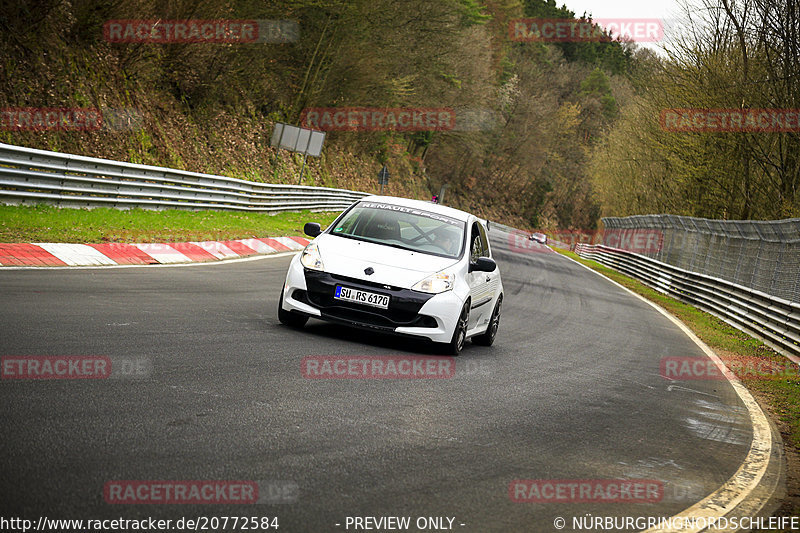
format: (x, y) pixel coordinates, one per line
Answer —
(361, 297)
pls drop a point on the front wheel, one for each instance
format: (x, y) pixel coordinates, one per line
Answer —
(293, 320)
(460, 334)
(487, 338)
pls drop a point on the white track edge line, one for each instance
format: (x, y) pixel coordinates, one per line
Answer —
(746, 479)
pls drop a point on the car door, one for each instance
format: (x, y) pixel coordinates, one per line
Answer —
(482, 285)
(492, 278)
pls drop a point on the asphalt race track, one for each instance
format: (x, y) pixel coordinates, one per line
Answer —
(570, 391)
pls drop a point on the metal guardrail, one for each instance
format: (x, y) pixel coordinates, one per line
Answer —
(759, 254)
(29, 176)
(774, 320)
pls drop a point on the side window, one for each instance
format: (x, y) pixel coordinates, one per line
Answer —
(484, 240)
(348, 225)
(476, 248)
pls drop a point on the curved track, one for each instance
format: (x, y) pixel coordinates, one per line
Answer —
(571, 390)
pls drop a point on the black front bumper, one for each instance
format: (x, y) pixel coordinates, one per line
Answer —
(403, 311)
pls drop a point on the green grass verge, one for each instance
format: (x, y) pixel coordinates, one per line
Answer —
(52, 224)
(779, 393)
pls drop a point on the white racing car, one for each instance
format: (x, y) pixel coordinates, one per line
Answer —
(398, 266)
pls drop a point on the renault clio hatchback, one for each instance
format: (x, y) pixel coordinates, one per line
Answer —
(398, 266)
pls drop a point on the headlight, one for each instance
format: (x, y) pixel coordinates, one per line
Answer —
(310, 257)
(435, 283)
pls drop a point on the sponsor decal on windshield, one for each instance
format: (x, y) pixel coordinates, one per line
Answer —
(412, 211)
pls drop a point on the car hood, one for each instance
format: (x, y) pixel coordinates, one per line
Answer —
(392, 266)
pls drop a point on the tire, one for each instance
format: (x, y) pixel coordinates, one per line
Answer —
(456, 344)
(487, 338)
(293, 320)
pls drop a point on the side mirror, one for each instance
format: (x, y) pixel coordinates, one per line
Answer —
(312, 229)
(483, 264)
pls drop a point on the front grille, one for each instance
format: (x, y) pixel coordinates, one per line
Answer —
(403, 311)
(381, 286)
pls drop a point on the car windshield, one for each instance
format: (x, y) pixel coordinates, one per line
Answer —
(403, 227)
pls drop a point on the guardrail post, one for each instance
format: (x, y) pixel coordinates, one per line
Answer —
(753, 276)
(668, 256)
(775, 268)
(738, 264)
